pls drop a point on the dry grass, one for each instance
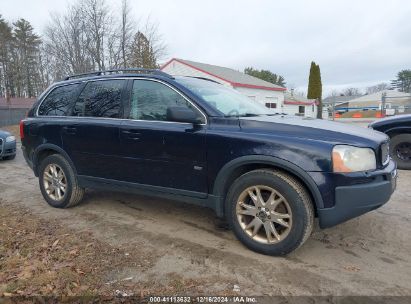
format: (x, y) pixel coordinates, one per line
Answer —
(42, 257)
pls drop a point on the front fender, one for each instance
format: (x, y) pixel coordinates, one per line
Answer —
(228, 169)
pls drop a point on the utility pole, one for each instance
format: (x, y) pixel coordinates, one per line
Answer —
(383, 99)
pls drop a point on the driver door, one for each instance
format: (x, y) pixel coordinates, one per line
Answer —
(159, 152)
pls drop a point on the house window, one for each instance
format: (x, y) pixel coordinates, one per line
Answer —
(271, 105)
(301, 109)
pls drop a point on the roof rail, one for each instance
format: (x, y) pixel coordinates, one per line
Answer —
(121, 71)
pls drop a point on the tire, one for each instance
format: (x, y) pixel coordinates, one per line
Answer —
(11, 157)
(403, 160)
(290, 197)
(73, 193)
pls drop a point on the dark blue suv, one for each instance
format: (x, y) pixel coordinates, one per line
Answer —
(269, 175)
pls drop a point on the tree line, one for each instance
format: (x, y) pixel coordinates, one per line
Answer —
(89, 36)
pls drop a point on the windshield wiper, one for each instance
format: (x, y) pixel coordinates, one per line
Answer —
(276, 113)
(243, 115)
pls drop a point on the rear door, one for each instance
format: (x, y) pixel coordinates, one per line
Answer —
(91, 135)
(159, 152)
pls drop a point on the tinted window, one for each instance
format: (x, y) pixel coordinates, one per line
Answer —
(100, 99)
(58, 102)
(150, 100)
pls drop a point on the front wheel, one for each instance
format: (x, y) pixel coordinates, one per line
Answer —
(270, 212)
(58, 182)
(400, 150)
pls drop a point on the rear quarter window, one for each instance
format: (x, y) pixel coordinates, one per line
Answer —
(59, 101)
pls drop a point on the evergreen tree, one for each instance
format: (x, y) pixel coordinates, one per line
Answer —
(315, 86)
(142, 54)
(25, 61)
(6, 39)
(265, 75)
(403, 81)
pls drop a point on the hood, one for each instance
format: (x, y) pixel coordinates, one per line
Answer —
(313, 129)
(4, 134)
(404, 118)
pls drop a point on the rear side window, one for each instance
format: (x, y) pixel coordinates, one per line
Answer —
(59, 101)
(100, 99)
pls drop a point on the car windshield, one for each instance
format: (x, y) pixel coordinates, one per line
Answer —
(226, 100)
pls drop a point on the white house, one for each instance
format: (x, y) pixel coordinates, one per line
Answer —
(299, 105)
(259, 90)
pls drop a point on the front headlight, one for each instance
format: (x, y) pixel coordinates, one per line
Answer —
(353, 159)
(10, 138)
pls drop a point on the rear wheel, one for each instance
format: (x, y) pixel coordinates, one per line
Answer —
(400, 150)
(58, 182)
(270, 212)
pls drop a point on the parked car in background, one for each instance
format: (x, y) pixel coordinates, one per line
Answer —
(198, 141)
(398, 128)
(7, 145)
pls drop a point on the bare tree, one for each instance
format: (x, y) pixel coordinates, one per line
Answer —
(98, 21)
(87, 37)
(127, 31)
(67, 43)
(377, 88)
(351, 92)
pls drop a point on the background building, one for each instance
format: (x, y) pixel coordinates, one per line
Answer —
(266, 93)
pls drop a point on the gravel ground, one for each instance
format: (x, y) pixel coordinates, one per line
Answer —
(369, 255)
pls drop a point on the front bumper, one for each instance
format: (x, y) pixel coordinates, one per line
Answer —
(354, 200)
(7, 148)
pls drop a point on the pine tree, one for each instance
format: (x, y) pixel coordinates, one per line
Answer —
(266, 75)
(5, 57)
(25, 63)
(142, 54)
(315, 86)
(403, 81)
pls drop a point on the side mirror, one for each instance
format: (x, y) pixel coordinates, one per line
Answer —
(182, 114)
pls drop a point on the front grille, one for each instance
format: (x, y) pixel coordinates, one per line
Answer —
(385, 153)
(1, 146)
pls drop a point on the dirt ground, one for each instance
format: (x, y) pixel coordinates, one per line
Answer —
(151, 246)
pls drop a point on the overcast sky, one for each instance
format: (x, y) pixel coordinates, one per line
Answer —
(356, 43)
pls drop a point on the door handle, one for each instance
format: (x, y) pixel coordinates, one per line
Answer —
(70, 130)
(131, 134)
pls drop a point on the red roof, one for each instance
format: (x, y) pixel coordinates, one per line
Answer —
(233, 77)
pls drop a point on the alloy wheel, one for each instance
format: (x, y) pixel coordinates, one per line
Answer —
(264, 214)
(55, 182)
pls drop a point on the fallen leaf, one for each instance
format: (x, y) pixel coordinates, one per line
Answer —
(352, 268)
(73, 252)
(79, 271)
(7, 294)
(55, 243)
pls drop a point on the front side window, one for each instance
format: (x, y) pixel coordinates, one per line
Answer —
(150, 100)
(100, 99)
(59, 101)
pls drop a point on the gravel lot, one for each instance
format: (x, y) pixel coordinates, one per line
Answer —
(369, 255)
